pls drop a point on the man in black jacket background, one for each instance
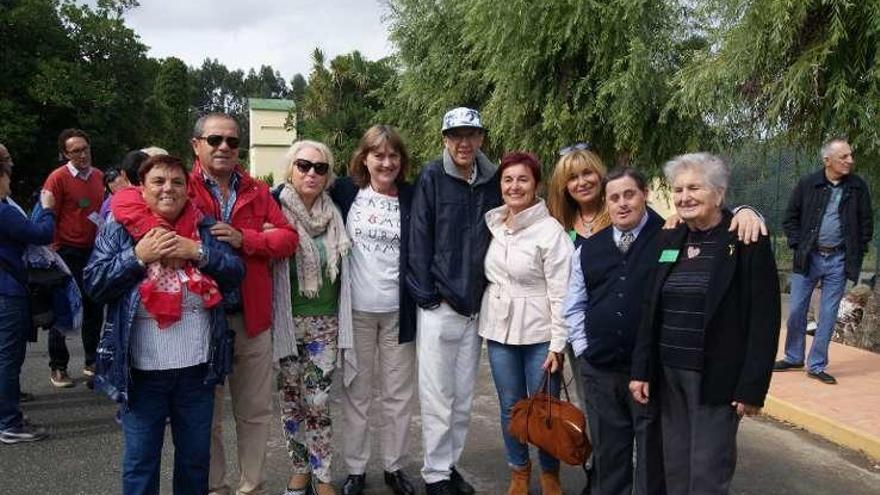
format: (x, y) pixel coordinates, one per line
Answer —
(829, 224)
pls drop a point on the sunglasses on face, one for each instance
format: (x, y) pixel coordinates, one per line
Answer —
(214, 140)
(584, 146)
(303, 165)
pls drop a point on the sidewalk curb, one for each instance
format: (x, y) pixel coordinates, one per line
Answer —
(823, 426)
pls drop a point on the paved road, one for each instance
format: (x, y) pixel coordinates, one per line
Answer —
(83, 455)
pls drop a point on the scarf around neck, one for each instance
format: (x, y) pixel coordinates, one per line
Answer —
(323, 219)
(162, 289)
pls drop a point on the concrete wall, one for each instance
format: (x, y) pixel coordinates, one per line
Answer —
(269, 142)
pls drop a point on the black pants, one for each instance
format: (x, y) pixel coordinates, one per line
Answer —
(699, 440)
(76, 259)
(616, 421)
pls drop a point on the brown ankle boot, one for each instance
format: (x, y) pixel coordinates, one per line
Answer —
(550, 483)
(519, 480)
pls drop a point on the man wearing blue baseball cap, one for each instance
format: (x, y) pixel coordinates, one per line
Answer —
(448, 239)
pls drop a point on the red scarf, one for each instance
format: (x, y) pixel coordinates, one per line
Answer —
(162, 290)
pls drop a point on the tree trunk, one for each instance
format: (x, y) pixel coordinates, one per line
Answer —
(868, 332)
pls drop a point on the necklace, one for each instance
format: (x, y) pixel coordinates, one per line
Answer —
(588, 225)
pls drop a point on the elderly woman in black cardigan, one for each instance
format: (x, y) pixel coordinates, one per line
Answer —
(709, 330)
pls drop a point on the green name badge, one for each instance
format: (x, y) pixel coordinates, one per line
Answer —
(84, 202)
(669, 256)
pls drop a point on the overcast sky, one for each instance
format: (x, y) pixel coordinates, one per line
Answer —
(244, 34)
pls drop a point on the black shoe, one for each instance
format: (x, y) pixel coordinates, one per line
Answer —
(822, 377)
(460, 486)
(355, 483)
(443, 487)
(783, 365)
(26, 397)
(399, 483)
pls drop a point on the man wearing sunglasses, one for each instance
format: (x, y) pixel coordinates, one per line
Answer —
(79, 190)
(447, 243)
(220, 187)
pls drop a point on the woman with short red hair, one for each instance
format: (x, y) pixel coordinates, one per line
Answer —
(521, 317)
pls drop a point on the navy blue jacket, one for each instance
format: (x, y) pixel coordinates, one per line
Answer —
(804, 216)
(448, 238)
(112, 277)
(16, 232)
(344, 192)
(615, 283)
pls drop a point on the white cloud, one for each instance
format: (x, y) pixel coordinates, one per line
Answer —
(248, 34)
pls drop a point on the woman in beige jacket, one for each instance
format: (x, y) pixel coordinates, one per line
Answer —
(521, 318)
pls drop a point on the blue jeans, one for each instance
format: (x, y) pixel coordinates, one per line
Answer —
(829, 268)
(154, 396)
(516, 370)
(14, 327)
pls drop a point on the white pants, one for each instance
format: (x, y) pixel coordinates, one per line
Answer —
(449, 355)
(378, 332)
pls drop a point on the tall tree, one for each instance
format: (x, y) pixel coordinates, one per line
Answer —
(795, 71)
(546, 77)
(69, 65)
(342, 100)
(170, 103)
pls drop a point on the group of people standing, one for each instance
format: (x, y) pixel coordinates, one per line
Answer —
(208, 277)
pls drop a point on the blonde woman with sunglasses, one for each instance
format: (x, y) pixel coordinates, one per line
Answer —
(307, 311)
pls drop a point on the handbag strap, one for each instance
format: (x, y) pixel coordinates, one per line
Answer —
(545, 385)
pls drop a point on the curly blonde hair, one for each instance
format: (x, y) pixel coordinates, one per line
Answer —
(561, 205)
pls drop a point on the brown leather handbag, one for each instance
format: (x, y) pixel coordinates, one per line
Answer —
(554, 425)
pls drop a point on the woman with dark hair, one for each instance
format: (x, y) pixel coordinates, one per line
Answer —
(165, 343)
(16, 232)
(521, 317)
(375, 201)
(114, 180)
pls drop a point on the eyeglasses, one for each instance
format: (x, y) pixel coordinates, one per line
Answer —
(214, 140)
(583, 146)
(78, 151)
(462, 134)
(303, 165)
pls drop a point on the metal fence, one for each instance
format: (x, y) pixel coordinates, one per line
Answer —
(764, 177)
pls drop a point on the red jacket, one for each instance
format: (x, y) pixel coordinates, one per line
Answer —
(253, 207)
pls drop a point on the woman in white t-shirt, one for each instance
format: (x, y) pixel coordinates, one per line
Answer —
(375, 203)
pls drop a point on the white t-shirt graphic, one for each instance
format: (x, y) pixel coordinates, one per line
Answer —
(374, 228)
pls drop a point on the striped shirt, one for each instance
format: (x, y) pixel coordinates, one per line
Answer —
(183, 344)
(683, 302)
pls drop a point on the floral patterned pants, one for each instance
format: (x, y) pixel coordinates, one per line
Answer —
(304, 389)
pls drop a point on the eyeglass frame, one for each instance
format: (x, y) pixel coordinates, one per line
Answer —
(303, 165)
(232, 141)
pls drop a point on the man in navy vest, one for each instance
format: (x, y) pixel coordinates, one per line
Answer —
(603, 311)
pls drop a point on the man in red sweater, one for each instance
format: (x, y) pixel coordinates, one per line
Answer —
(249, 220)
(78, 190)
